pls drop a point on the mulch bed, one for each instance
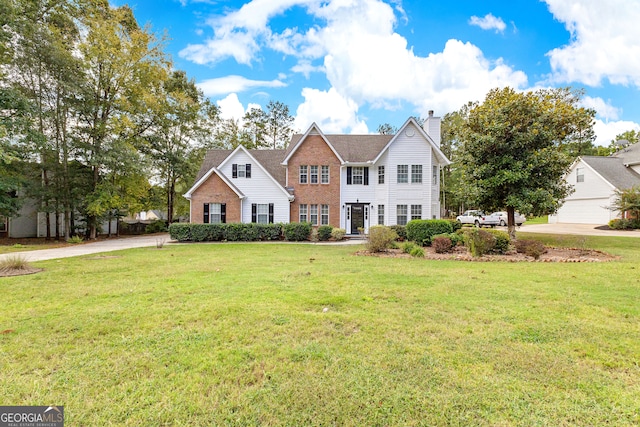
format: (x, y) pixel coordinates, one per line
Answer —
(460, 253)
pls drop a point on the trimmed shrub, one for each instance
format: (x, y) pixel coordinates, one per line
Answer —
(180, 232)
(158, 226)
(455, 224)
(479, 242)
(401, 231)
(407, 247)
(532, 248)
(297, 231)
(324, 232)
(422, 230)
(417, 252)
(200, 232)
(502, 242)
(624, 224)
(338, 233)
(380, 238)
(269, 231)
(442, 244)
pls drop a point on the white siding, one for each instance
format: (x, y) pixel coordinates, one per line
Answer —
(589, 202)
(409, 150)
(260, 189)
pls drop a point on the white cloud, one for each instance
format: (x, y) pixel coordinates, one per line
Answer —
(231, 107)
(332, 112)
(607, 131)
(603, 108)
(489, 22)
(605, 42)
(231, 84)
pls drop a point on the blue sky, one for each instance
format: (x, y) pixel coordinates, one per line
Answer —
(350, 65)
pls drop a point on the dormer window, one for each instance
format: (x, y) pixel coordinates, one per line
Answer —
(579, 174)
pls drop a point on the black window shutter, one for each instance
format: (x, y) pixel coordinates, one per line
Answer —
(366, 176)
(270, 213)
(223, 213)
(348, 175)
(254, 213)
(248, 173)
(234, 170)
(206, 213)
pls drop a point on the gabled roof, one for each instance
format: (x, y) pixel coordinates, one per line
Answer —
(267, 160)
(350, 148)
(313, 130)
(613, 170)
(629, 155)
(411, 121)
(206, 176)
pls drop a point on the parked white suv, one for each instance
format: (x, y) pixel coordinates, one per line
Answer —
(478, 218)
(520, 219)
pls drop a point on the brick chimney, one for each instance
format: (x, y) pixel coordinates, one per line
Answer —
(432, 128)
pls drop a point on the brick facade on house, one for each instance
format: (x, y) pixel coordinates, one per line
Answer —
(315, 152)
(215, 190)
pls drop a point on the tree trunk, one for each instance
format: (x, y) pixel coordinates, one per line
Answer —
(511, 222)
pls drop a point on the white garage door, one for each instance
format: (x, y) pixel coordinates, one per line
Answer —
(591, 211)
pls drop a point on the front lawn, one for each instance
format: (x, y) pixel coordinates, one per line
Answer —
(301, 334)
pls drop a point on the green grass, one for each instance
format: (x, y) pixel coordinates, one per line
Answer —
(282, 334)
(10, 247)
(537, 220)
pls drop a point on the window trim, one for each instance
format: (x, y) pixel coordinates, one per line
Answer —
(301, 208)
(303, 172)
(402, 176)
(313, 208)
(313, 176)
(416, 174)
(381, 174)
(579, 174)
(324, 175)
(401, 214)
(380, 214)
(324, 214)
(416, 212)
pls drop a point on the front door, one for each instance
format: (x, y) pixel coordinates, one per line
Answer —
(357, 217)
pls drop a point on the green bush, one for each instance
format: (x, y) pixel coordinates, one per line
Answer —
(479, 241)
(401, 231)
(502, 242)
(407, 247)
(324, 232)
(441, 244)
(180, 232)
(455, 225)
(624, 224)
(338, 233)
(297, 231)
(417, 252)
(422, 230)
(158, 226)
(269, 231)
(200, 232)
(75, 239)
(380, 238)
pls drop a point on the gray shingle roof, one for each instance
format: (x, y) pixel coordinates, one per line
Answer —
(269, 159)
(629, 155)
(352, 148)
(613, 170)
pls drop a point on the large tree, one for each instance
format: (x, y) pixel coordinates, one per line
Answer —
(510, 149)
(278, 126)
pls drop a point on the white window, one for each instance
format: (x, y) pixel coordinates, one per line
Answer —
(357, 175)
(434, 175)
(242, 171)
(262, 214)
(324, 177)
(403, 174)
(215, 213)
(579, 174)
(314, 174)
(324, 215)
(313, 215)
(303, 213)
(416, 211)
(380, 214)
(401, 214)
(380, 174)
(416, 174)
(303, 174)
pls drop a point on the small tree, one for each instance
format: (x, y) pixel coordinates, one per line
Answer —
(628, 203)
(511, 149)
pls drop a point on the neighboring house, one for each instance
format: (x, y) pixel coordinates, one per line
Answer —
(595, 180)
(346, 181)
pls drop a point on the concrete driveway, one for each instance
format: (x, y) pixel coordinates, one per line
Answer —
(578, 229)
(107, 245)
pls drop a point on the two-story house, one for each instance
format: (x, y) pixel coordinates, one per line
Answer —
(347, 181)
